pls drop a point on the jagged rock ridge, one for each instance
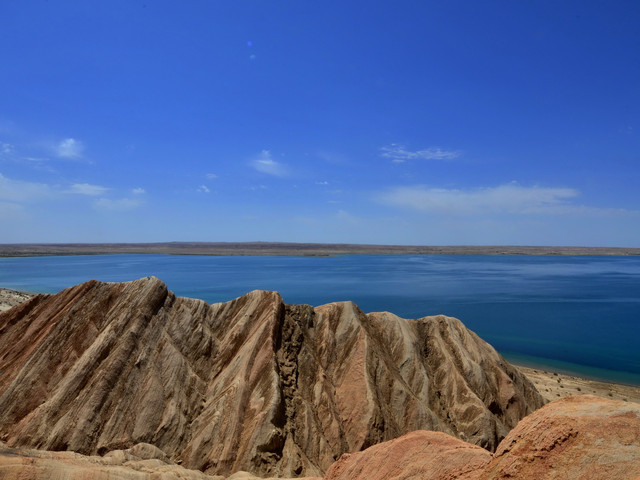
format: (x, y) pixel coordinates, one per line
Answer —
(252, 384)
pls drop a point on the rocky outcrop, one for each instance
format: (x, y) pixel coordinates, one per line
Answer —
(583, 437)
(141, 462)
(419, 454)
(252, 384)
(132, 464)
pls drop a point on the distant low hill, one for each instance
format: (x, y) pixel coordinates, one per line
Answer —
(291, 249)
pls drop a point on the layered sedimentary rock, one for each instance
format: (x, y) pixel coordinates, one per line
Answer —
(586, 438)
(252, 384)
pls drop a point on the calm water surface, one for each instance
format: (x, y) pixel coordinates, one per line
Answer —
(577, 314)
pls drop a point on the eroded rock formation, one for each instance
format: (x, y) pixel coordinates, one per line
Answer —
(142, 462)
(418, 454)
(252, 384)
(581, 437)
(584, 437)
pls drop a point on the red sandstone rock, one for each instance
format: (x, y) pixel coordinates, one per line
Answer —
(419, 454)
(580, 437)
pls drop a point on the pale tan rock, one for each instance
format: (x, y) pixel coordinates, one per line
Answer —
(581, 437)
(419, 454)
(30, 464)
(252, 384)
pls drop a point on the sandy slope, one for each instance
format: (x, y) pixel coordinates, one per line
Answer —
(9, 298)
(553, 385)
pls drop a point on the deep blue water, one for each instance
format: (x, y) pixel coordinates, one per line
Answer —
(576, 314)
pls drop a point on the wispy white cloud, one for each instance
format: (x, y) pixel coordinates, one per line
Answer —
(118, 204)
(19, 191)
(6, 148)
(138, 191)
(211, 176)
(69, 148)
(87, 189)
(266, 164)
(203, 189)
(511, 198)
(399, 154)
(322, 183)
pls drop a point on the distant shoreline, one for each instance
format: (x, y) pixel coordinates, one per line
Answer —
(291, 249)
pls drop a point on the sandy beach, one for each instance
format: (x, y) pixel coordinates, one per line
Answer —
(554, 385)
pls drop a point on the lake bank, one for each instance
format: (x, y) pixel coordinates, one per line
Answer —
(10, 298)
(554, 385)
(294, 249)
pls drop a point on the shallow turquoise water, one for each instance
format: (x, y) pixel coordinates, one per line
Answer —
(578, 314)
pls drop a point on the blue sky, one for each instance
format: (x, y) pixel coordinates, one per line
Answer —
(407, 122)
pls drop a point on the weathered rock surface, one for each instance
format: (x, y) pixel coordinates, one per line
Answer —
(137, 463)
(252, 384)
(580, 437)
(419, 454)
(587, 438)
(31, 464)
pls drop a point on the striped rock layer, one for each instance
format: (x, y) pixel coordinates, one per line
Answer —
(248, 385)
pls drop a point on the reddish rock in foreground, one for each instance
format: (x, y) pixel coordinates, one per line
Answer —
(420, 454)
(581, 437)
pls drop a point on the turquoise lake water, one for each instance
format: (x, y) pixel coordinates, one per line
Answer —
(579, 315)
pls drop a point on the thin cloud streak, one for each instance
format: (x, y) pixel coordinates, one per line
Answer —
(399, 154)
(19, 191)
(119, 204)
(504, 199)
(87, 189)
